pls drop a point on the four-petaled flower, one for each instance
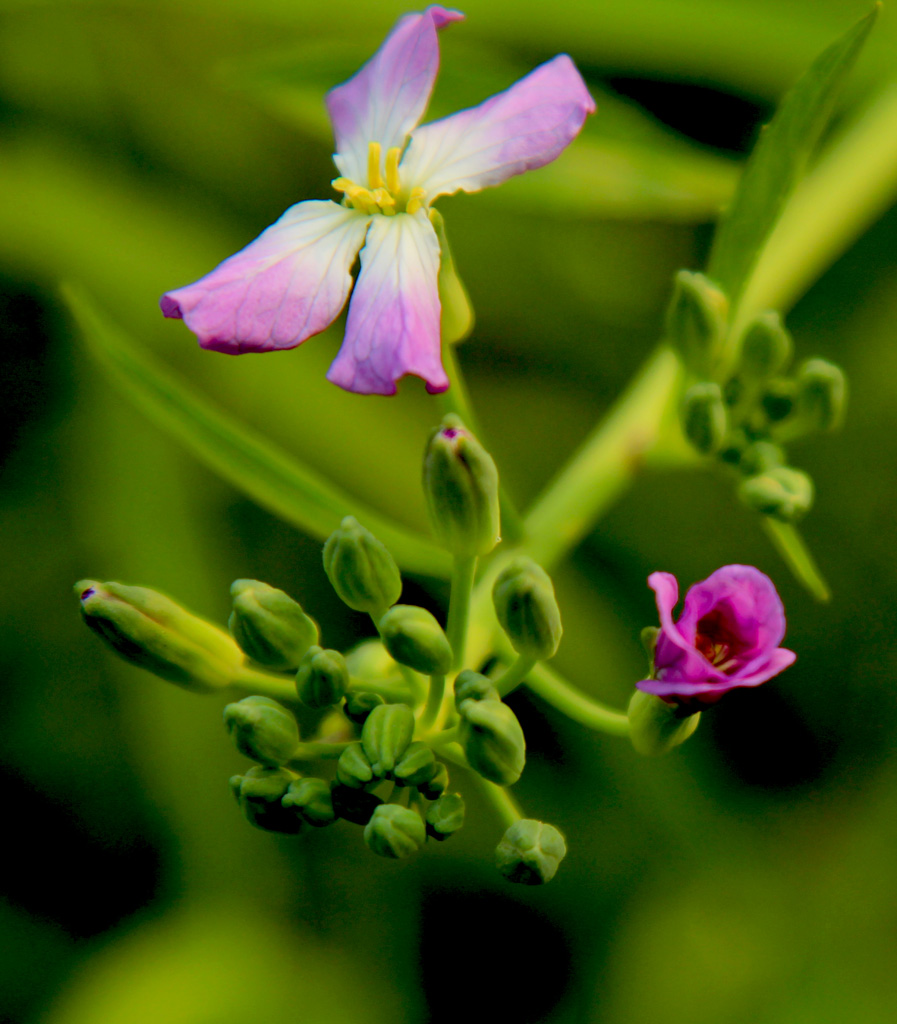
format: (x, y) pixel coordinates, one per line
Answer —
(294, 279)
(728, 635)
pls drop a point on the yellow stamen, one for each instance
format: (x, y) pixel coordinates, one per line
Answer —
(384, 200)
(392, 168)
(415, 200)
(375, 179)
(342, 184)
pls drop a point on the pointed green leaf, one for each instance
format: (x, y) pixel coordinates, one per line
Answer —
(790, 545)
(779, 160)
(267, 474)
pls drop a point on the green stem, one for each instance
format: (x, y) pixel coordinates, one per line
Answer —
(463, 572)
(393, 693)
(515, 674)
(790, 545)
(434, 701)
(552, 688)
(265, 684)
(317, 752)
(502, 802)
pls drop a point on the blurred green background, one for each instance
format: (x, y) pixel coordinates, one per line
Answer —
(751, 876)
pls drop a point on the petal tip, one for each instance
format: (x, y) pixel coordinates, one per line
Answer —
(171, 307)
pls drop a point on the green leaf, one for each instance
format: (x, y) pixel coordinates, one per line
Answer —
(267, 474)
(791, 547)
(779, 160)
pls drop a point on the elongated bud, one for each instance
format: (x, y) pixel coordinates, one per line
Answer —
(414, 638)
(363, 573)
(386, 735)
(471, 685)
(492, 740)
(821, 394)
(527, 609)
(705, 421)
(445, 816)
(461, 488)
(765, 349)
(259, 793)
(149, 630)
(783, 493)
(395, 831)
(353, 769)
(435, 787)
(530, 852)
(310, 798)
(322, 679)
(457, 311)
(359, 705)
(353, 805)
(696, 320)
(269, 625)
(417, 766)
(655, 727)
(263, 730)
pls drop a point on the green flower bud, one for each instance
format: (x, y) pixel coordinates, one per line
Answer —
(370, 662)
(353, 805)
(413, 637)
(766, 348)
(445, 816)
(760, 457)
(471, 685)
(322, 679)
(492, 740)
(705, 421)
(530, 852)
(149, 630)
(526, 607)
(311, 800)
(395, 831)
(269, 625)
(363, 573)
(435, 787)
(783, 493)
(417, 766)
(259, 793)
(461, 488)
(263, 730)
(821, 394)
(359, 705)
(696, 320)
(386, 735)
(353, 769)
(655, 727)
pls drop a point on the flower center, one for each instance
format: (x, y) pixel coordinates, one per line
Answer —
(718, 643)
(383, 194)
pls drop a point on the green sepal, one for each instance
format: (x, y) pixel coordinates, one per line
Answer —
(359, 705)
(353, 769)
(259, 793)
(395, 831)
(353, 805)
(322, 678)
(311, 799)
(530, 852)
(417, 765)
(270, 627)
(263, 730)
(705, 421)
(527, 609)
(470, 685)
(445, 816)
(656, 727)
(414, 638)
(433, 788)
(457, 311)
(386, 735)
(492, 740)
(783, 492)
(362, 571)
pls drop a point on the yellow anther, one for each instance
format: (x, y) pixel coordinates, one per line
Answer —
(342, 184)
(384, 200)
(415, 200)
(375, 178)
(392, 168)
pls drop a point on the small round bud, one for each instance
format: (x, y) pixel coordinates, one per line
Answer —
(766, 348)
(414, 638)
(311, 800)
(370, 662)
(655, 727)
(696, 320)
(149, 630)
(353, 769)
(417, 766)
(353, 805)
(461, 488)
(783, 493)
(270, 627)
(363, 573)
(359, 705)
(492, 740)
(259, 793)
(821, 394)
(394, 831)
(322, 678)
(530, 852)
(263, 730)
(386, 735)
(471, 685)
(527, 609)
(445, 816)
(705, 421)
(760, 457)
(435, 787)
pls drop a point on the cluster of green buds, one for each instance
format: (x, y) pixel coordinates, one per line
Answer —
(741, 405)
(369, 736)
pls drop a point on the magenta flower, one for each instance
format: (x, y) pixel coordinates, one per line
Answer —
(294, 279)
(728, 635)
